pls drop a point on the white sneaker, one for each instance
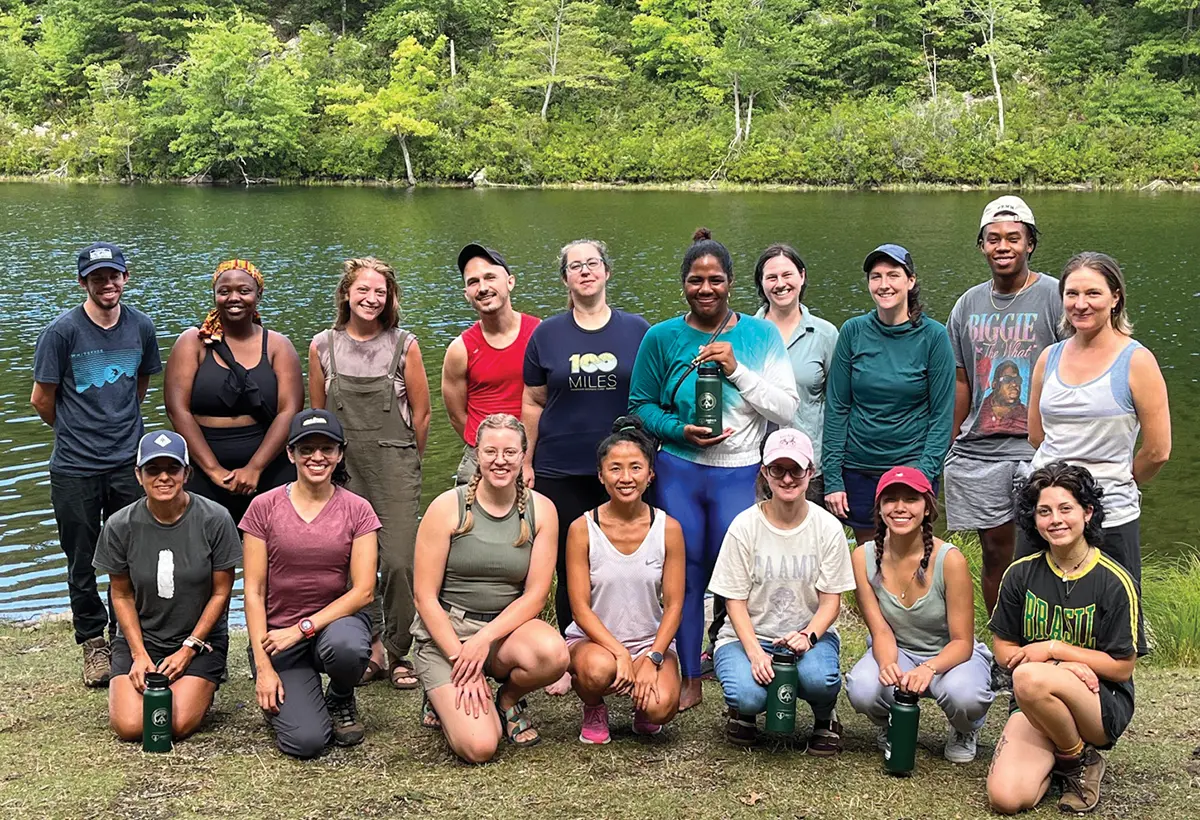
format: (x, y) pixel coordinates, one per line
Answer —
(961, 746)
(881, 737)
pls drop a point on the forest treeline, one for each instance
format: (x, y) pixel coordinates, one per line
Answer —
(858, 92)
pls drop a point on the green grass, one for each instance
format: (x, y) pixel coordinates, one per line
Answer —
(59, 760)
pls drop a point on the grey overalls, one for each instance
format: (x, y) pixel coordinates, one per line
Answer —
(385, 469)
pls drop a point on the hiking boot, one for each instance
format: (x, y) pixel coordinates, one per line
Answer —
(343, 711)
(826, 738)
(642, 724)
(595, 725)
(1001, 679)
(97, 662)
(961, 746)
(1080, 778)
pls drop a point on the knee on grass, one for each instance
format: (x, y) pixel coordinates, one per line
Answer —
(476, 748)
(127, 727)
(304, 743)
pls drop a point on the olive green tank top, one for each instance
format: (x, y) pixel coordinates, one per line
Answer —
(923, 628)
(484, 571)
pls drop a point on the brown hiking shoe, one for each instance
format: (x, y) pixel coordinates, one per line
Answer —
(347, 729)
(97, 662)
(1081, 778)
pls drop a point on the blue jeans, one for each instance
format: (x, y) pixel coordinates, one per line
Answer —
(820, 677)
(704, 500)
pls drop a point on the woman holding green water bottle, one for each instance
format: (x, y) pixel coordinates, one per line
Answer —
(782, 570)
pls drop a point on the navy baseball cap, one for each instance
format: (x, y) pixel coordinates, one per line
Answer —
(315, 423)
(895, 253)
(162, 444)
(475, 249)
(100, 255)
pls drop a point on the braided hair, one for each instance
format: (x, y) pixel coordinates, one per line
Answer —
(881, 533)
(499, 421)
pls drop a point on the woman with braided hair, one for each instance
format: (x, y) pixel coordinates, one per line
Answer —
(484, 559)
(916, 595)
(231, 390)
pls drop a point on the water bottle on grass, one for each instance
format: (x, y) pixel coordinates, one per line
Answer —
(904, 720)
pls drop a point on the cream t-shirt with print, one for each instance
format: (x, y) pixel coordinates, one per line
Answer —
(778, 572)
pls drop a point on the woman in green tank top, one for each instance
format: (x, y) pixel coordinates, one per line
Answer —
(485, 556)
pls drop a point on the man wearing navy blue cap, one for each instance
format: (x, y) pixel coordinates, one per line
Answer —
(91, 370)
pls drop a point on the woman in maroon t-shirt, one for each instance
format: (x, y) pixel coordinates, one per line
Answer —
(309, 555)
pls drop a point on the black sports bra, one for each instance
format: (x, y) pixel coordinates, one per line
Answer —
(217, 391)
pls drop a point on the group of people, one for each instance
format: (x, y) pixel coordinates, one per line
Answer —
(584, 463)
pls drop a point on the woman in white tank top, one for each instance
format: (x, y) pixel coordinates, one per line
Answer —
(625, 573)
(1092, 393)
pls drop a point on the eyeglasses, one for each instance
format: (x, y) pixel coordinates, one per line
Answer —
(154, 470)
(492, 453)
(308, 451)
(592, 265)
(777, 471)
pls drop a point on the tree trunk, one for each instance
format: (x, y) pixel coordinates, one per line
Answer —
(546, 100)
(1187, 63)
(343, 18)
(991, 39)
(737, 112)
(930, 66)
(555, 40)
(749, 114)
(412, 181)
(453, 63)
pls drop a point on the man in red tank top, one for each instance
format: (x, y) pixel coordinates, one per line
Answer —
(482, 371)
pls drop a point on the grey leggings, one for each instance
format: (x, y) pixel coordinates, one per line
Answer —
(303, 727)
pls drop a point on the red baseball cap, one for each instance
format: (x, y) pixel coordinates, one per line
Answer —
(908, 476)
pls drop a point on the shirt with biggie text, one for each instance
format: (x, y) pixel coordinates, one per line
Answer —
(98, 420)
(997, 339)
(170, 566)
(308, 562)
(778, 572)
(586, 374)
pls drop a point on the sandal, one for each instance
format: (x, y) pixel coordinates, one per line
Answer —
(407, 677)
(741, 730)
(429, 717)
(515, 722)
(373, 672)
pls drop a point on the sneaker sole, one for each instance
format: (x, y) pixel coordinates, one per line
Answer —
(338, 741)
(959, 758)
(587, 742)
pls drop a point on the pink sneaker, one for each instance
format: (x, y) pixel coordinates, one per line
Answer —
(642, 726)
(595, 725)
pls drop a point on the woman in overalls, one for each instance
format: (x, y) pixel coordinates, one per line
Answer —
(368, 371)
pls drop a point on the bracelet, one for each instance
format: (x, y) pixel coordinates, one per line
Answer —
(928, 666)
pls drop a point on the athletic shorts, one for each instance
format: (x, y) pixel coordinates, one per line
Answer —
(1116, 710)
(209, 665)
(432, 667)
(981, 494)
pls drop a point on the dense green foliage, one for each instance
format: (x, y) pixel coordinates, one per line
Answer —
(860, 92)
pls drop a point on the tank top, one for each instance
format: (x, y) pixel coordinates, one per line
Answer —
(1094, 425)
(495, 378)
(626, 589)
(215, 390)
(484, 571)
(367, 358)
(920, 629)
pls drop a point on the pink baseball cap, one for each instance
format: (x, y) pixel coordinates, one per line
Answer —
(788, 443)
(908, 476)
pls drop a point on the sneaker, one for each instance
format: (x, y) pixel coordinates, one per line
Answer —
(595, 725)
(97, 662)
(826, 738)
(1001, 679)
(881, 737)
(343, 711)
(1080, 778)
(961, 746)
(642, 725)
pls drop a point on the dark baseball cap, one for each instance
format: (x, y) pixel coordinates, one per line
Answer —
(475, 249)
(315, 423)
(162, 444)
(101, 255)
(894, 253)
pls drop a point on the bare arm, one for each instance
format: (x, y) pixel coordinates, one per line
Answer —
(672, 586)
(182, 364)
(416, 383)
(579, 584)
(316, 378)
(125, 607)
(1010, 654)
(962, 400)
(739, 616)
(254, 581)
(1150, 400)
(883, 640)
(42, 399)
(533, 401)
(1036, 434)
(286, 365)
(143, 386)
(218, 602)
(960, 613)
(429, 569)
(454, 385)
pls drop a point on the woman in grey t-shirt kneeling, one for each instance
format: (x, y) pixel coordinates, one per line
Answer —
(170, 558)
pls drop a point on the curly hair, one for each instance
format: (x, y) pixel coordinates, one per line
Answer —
(1075, 480)
(881, 531)
(500, 421)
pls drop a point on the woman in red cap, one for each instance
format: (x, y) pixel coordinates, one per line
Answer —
(916, 595)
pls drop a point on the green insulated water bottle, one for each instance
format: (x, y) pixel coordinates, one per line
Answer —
(708, 397)
(903, 721)
(781, 694)
(156, 714)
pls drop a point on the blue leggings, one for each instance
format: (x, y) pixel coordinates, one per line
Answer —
(704, 500)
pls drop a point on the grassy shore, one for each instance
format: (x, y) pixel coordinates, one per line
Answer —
(59, 760)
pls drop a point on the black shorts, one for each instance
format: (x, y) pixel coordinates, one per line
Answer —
(210, 665)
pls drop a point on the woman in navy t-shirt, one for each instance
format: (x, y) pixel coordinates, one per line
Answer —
(577, 369)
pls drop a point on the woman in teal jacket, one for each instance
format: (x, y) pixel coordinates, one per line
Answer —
(890, 399)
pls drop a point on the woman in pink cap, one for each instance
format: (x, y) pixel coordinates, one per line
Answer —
(916, 595)
(782, 569)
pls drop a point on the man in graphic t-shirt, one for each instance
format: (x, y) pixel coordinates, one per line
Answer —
(92, 367)
(482, 371)
(997, 329)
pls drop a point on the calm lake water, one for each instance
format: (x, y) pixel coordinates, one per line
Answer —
(174, 237)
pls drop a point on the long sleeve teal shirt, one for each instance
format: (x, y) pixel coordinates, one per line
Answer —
(890, 399)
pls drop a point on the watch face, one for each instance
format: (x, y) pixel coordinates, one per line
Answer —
(306, 625)
(656, 658)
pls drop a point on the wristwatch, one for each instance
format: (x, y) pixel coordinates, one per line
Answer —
(196, 645)
(813, 637)
(307, 628)
(656, 658)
